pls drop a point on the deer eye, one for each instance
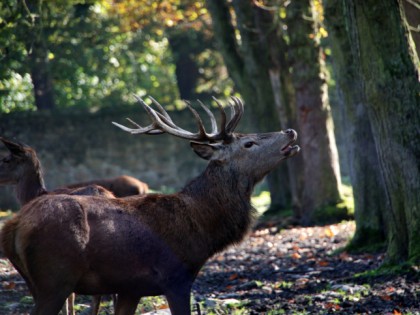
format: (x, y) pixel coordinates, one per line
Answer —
(249, 144)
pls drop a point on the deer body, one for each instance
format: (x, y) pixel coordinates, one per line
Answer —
(22, 168)
(149, 245)
(121, 186)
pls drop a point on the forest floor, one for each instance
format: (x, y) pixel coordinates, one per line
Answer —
(275, 270)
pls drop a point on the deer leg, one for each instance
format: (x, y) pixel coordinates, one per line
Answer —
(114, 300)
(96, 303)
(70, 302)
(126, 304)
(179, 302)
(65, 308)
(49, 304)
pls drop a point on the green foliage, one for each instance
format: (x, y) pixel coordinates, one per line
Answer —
(372, 242)
(392, 269)
(27, 300)
(261, 202)
(16, 93)
(99, 55)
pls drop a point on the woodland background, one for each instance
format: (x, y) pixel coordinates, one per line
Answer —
(294, 63)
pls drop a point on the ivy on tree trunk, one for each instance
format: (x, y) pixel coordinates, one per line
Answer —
(385, 63)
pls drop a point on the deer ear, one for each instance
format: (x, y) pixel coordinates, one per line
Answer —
(204, 150)
(14, 148)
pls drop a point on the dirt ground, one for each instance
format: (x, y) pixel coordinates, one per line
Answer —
(274, 271)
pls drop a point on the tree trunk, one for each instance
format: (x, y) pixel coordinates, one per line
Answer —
(390, 83)
(182, 43)
(254, 25)
(247, 66)
(39, 59)
(412, 14)
(366, 178)
(41, 77)
(321, 169)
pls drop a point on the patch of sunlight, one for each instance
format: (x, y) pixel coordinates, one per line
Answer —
(5, 213)
(261, 202)
(348, 200)
(153, 305)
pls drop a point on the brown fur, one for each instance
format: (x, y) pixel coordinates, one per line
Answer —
(142, 245)
(23, 168)
(121, 186)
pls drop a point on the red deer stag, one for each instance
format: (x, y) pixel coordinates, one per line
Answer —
(23, 169)
(153, 244)
(121, 186)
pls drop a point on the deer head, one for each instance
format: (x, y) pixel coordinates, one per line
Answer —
(224, 146)
(21, 160)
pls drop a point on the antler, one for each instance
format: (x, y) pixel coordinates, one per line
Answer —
(162, 122)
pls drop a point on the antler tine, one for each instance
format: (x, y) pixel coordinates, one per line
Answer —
(223, 115)
(162, 122)
(161, 109)
(159, 119)
(151, 129)
(237, 110)
(148, 129)
(197, 117)
(168, 126)
(214, 129)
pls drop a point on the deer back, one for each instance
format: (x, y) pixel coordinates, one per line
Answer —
(121, 186)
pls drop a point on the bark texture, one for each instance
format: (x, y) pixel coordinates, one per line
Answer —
(39, 59)
(248, 65)
(390, 83)
(366, 178)
(321, 168)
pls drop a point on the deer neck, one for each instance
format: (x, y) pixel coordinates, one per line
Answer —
(222, 206)
(30, 186)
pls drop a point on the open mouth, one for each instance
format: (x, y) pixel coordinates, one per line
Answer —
(289, 150)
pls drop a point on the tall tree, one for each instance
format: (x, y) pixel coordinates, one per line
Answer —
(26, 47)
(370, 202)
(248, 64)
(38, 53)
(384, 61)
(259, 64)
(321, 168)
(412, 13)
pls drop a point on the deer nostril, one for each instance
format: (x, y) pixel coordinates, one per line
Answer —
(291, 133)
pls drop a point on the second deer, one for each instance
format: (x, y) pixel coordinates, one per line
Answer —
(22, 168)
(151, 245)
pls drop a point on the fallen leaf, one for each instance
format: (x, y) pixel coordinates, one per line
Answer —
(323, 263)
(296, 256)
(163, 307)
(233, 276)
(345, 256)
(390, 289)
(9, 285)
(332, 306)
(329, 232)
(386, 297)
